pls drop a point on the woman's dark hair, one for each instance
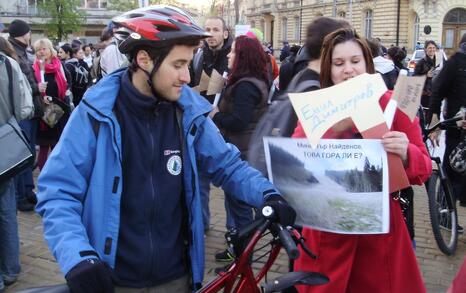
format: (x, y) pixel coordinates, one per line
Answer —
(430, 42)
(250, 60)
(107, 34)
(396, 54)
(8, 49)
(340, 36)
(75, 51)
(316, 32)
(67, 49)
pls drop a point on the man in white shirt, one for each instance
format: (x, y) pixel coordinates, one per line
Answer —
(87, 55)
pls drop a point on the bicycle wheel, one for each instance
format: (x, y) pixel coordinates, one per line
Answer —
(444, 220)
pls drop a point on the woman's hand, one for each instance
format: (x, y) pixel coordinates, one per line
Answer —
(213, 112)
(42, 87)
(47, 99)
(396, 142)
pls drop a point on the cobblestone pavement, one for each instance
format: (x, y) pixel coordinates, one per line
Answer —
(39, 268)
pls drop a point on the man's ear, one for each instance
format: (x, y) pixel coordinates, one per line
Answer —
(144, 61)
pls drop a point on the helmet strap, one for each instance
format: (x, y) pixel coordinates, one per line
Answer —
(150, 75)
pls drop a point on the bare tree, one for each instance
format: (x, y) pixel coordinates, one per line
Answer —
(237, 3)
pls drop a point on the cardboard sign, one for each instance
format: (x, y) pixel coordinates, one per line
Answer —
(358, 99)
(203, 83)
(407, 93)
(216, 83)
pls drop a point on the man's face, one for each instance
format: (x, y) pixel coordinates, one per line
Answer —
(87, 51)
(215, 28)
(173, 73)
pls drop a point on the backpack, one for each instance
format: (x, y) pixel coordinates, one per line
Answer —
(96, 70)
(279, 120)
(80, 76)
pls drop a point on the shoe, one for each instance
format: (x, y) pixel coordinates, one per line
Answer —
(9, 280)
(32, 198)
(24, 205)
(225, 256)
(221, 270)
(460, 229)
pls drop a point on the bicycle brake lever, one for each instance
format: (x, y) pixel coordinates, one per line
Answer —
(301, 241)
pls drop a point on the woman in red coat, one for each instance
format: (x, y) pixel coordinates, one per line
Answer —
(366, 263)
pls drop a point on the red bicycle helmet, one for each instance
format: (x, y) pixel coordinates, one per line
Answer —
(155, 26)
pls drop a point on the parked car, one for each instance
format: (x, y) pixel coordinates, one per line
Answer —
(419, 54)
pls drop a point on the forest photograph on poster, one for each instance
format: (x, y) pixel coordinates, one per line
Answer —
(340, 186)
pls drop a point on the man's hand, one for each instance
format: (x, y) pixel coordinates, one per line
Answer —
(435, 136)
(283, 211)
(90, 276)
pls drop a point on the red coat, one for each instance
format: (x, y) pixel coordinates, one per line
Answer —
(371, 263)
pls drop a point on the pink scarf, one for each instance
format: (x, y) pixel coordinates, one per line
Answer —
(56, 68)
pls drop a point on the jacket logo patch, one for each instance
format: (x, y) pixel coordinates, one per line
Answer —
(174, 165)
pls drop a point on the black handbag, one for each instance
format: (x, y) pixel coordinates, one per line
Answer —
(16, 154)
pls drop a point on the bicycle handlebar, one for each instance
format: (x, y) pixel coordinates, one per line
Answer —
(287, 242)
(451, 122)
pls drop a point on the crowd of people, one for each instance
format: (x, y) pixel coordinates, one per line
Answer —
(126, 168)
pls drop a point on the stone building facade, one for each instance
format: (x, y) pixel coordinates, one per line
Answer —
(398, 22)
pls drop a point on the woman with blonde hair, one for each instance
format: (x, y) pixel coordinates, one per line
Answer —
(367, 263)
(51, 80)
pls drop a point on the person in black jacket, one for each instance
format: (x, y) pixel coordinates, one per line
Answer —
(20, 36)
(80, 74)
(451, 85)
(211, 56)
(426, 66)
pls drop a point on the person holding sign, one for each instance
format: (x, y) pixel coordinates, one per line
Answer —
(366, 263)
(241, 106)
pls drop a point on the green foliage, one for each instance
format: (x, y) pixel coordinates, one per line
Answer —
(63, 17)
(367, 180)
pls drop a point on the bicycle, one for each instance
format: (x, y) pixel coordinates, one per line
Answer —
(239, 276)
(442, 203)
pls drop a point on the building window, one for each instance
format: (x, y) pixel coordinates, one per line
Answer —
(297, 29)
(416, 31)
(368, 24)
(284, 29)
(342, 14)
(94, 4)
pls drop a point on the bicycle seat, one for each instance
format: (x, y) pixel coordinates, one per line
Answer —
(295, 278)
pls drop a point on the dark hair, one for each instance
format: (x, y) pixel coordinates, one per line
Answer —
(85, 46)
(158, 54)
(374, 46)
(76, 43)
(106, 35)
(224, 24)
(250, 60)
(75, 51)
(396, 54)
(8, 49)
(340, 36)
(67, 49)
(316, 32)
(430, 42)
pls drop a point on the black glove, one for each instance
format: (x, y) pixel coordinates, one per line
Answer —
(90, 276)
(283, 211)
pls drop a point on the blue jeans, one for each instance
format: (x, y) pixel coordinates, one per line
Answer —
(239, 214)
(204, 189)
(23, 181)
(9, 239)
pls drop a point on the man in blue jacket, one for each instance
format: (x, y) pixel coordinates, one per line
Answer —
(119, 195)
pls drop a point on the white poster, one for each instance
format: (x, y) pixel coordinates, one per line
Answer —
(341, 186)
(241, 29)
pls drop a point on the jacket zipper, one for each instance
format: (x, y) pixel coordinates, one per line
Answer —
(152, 210)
